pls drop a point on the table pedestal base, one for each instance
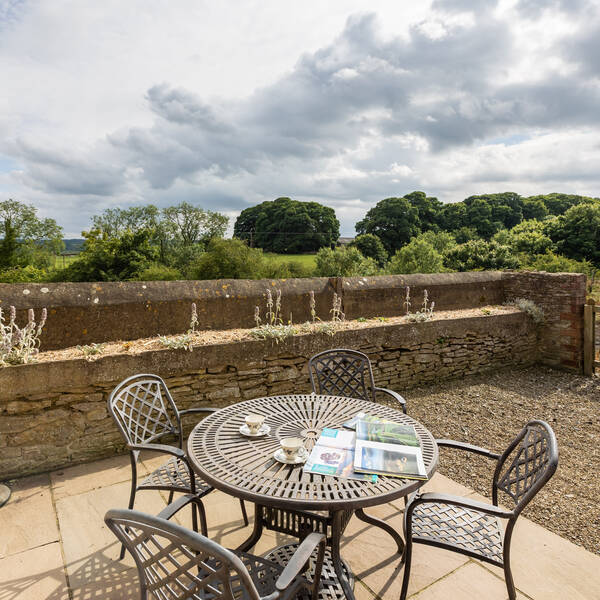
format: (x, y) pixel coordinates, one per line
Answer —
(331, 588)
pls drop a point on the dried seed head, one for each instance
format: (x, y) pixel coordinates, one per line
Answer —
(13, 314)
(30, 316)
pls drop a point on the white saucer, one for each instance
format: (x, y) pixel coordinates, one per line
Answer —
(264, 430)
(279, 455)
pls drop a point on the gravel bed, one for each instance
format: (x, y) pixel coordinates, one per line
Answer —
(488, 410)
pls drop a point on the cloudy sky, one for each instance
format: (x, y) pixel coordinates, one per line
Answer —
(226, 104)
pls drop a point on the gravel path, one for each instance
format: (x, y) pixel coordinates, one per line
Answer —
(488, 410)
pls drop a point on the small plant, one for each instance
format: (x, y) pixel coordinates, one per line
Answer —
(425, 313)
(528, 306)
(336, 311)
(186, 340)
(486, 311)
(313, 306)
(91, 350)
(407, 301)
(440, 341)
(382, 319)
(274, 332)
(19, 346)
(273, 328)
(362, 319)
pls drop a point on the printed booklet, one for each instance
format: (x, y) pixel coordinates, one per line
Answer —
(388, 448)
(333, 455)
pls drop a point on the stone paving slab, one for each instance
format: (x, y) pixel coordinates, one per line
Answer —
(54, 545)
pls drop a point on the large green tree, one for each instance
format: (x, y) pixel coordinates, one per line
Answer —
(27, 239)
(288, 226)
(577, 232)
(393, 220)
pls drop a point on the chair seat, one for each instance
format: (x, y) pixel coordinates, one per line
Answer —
(173, 475)
(264, 574)
(462, 528)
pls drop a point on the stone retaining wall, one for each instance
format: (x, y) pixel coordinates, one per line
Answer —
(561, 296)
(85, 313)
(54, 413)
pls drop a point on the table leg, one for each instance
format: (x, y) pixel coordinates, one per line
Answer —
(336, 537)
(256, 531)
(360, 513)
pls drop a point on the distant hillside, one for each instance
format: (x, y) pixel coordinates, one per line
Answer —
(74, 245)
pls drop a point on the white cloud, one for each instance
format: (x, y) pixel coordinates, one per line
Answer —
(228, 104)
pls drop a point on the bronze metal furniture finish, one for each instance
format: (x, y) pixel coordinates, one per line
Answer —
(474, 528)
(286, 498)
(144, 411)
(174, 562)
(343, 372)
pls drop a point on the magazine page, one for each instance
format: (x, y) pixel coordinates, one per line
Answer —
(388, 448)
(389, 459)
(333, 454)
(387, 432)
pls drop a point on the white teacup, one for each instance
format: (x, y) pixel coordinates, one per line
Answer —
(254, 423)
(291, 446)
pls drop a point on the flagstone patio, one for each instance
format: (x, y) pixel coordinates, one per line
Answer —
(54, 545)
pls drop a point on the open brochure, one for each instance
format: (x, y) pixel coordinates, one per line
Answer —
(333, 455)
(388, 448)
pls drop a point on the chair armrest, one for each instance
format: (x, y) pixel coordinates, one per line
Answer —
(200, 409)
(296, 564)
(176, 506)
(164, 448)
(394, 395)
(468, 447)
(435, 498)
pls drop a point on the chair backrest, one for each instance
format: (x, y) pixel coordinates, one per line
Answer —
(140, 405)
(526, 465)
(174, 562)
(342, 372)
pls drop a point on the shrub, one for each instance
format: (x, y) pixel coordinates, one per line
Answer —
(158, 272)
(275, 269)
(19, 345)
(529, 307)
(554, 263)
(418, 256)
(28, 274)
(228, 259)
(478, 255)
(104, 258)
(343, 262)
(370, 246)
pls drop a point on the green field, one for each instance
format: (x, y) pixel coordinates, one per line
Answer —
(307, 260)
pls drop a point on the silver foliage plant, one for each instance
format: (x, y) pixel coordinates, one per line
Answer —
(426, 311)
(186, 340)
(20, 345)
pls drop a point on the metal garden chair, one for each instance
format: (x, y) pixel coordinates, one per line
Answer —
(343, 372)
(144, 411)
(174, 562)
(473, 528)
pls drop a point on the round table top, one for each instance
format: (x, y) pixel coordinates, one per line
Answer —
(244, 467)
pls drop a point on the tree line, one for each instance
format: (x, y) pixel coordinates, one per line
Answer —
(408, 234)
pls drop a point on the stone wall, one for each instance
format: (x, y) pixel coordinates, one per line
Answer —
(561, 296)
(82, 313)
(54, 413)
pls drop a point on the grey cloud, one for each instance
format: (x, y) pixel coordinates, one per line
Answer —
(533, 8)
(360, 89)
(51, 170)
(464, 5)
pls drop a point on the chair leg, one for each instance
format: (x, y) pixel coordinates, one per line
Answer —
(244, 513)
(510, 584)
(202, 513)
(194, 517)
(171, 493)
(406, 559)
(131, 499)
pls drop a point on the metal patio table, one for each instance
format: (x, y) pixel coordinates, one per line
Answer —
(286, 498)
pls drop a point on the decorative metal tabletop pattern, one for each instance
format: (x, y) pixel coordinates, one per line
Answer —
(245, 467)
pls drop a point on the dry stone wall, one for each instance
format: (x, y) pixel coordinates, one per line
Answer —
(54, 414)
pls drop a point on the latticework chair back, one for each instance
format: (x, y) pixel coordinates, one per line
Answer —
(342, 372)
(141, 405)
(526, 465)
(175, 563)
